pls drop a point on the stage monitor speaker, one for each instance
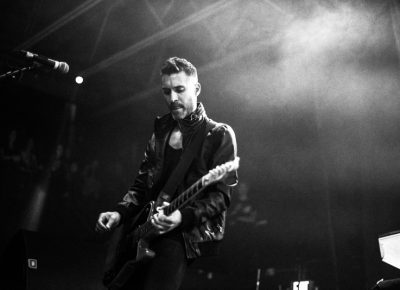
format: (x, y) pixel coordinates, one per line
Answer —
(36, 261)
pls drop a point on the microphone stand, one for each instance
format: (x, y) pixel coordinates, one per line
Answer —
(13, 73)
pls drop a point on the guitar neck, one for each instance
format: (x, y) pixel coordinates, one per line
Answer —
(186, 196)
(211, 177)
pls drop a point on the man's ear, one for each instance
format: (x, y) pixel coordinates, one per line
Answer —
(198, 89)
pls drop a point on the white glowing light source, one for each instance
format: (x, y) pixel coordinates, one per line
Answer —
(300, 285)
(79, 80)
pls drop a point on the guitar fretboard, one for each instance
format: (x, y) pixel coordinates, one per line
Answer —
(186, 196)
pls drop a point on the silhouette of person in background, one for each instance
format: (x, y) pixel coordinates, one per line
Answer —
(243, 211)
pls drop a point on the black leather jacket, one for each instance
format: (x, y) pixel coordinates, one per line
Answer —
(203, 220)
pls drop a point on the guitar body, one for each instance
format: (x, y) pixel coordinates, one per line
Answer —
(132, 249)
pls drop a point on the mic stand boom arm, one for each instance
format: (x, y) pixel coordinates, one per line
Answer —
(12, 73)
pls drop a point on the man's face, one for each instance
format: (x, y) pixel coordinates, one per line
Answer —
(180, 92)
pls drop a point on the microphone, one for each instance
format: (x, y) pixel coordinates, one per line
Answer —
(58, 66)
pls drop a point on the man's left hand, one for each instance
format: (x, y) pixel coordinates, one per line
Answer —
(166, 223)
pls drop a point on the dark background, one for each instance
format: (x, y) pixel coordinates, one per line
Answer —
(311, 89)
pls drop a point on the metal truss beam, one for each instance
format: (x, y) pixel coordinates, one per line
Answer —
(59, 23)
(163, 34)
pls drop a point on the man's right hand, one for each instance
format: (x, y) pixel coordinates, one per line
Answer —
(107, 221)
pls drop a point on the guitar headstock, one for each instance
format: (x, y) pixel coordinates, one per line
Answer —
(219, 172)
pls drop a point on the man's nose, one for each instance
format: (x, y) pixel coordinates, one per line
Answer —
(174, 96)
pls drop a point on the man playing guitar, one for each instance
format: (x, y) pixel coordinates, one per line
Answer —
(187, 220)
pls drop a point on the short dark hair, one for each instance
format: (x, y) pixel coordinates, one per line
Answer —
(175, 65)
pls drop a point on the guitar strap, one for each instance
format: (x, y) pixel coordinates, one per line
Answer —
(186, 159)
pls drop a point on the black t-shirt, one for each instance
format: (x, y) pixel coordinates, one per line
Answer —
(172, 157)
(171, 160)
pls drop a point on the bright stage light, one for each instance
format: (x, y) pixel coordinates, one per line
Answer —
(79, 80)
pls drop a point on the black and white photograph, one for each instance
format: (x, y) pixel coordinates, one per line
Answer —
(200, 145)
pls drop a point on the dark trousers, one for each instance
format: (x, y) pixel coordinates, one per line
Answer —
(165, 271)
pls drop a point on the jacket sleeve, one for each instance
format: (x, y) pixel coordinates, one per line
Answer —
(216, 197)
(133, 200)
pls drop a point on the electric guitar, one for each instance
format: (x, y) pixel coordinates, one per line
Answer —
(142, 231)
